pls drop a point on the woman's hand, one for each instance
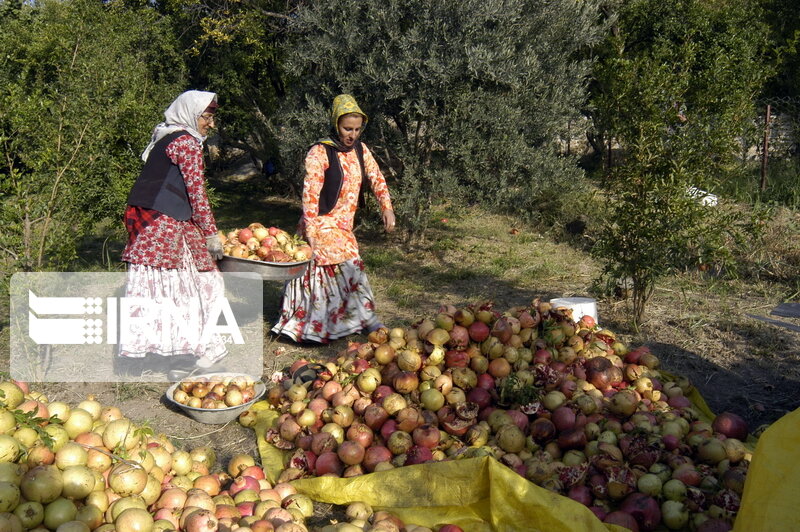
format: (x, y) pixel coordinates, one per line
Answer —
(214, 247)
(388, 221)
(313, 243)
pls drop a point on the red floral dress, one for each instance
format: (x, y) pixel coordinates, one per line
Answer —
(170, 266)
(333, 299)
(335, 241)
(155, 239)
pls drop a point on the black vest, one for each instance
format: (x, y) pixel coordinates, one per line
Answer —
(333, 179)
(160, 186)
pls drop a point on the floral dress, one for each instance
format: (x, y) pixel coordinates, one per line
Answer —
(168, 264)
(157, 240)
(333, 299)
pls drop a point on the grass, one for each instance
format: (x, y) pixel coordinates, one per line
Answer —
(381, 258)
(783, 176)
(473, 256)
(457, 274)
(124, 391)
(403, 293)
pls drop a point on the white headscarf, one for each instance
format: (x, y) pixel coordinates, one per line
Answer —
(182, 114)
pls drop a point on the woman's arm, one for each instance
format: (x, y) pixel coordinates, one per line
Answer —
(316, 163)
(379, 188)
(188, 155)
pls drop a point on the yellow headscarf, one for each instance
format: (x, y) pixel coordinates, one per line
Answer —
(342, 105)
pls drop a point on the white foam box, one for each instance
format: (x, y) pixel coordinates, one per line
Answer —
(581, 306)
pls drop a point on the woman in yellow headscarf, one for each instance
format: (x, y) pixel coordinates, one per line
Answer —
(333, 299)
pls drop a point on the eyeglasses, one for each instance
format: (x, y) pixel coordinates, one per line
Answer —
(208, 117)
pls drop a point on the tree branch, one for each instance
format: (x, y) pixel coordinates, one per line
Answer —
(53, 194)
(266, 13)
(10, 252)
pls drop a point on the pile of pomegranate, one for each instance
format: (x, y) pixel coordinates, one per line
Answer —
(563, 403)
(86, 467)
(268, 244)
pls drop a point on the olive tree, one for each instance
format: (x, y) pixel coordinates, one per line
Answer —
(675, 87)
(81, 85)
(467, 100)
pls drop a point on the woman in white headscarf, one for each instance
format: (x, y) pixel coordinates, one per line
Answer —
(172, 244)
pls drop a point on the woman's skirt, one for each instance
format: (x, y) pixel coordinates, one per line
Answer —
(175, 316)
(327, 302)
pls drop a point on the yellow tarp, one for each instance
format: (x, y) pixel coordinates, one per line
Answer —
(477, 494)
(772, 489)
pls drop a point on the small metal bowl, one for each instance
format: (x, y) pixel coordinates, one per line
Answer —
(217, 416)
(269, 271)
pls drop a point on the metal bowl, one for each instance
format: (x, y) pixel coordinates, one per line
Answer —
(269, 271)
(216, 416)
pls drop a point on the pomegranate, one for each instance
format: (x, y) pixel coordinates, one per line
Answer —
(328, 463)
(622, 519)
(375, 416)
(399, 442)
(542, 430)
(478, 331)
(731, 425)
(361, 434)
(479, 396)
(199, 521)
(459, 337)
(418, 455)
(375, 455)
(426, 436)
(456, 359)
(581, 493)
(563, 418)
(406, 381)
(350, 452)
(243, 483)
(388, 428)
(644, 509)
(486, 381)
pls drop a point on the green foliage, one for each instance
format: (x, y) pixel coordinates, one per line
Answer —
(675, 87)
(515, 392)
(466, 100)
(81, 85)
(235, 49)
(784, 24)
(782, 184)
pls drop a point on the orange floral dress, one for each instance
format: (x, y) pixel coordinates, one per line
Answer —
(335, 241)
(333, 299)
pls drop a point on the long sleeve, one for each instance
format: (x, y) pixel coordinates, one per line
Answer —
(187, 154)
(377, 181)
(315, 164)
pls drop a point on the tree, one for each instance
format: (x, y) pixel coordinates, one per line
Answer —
(81, 85)
(466, 100)
(235, 48)
(675, 87)
(784, 23)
